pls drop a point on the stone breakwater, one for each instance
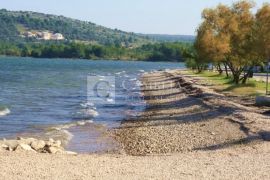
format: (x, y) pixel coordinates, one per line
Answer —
(34, 145)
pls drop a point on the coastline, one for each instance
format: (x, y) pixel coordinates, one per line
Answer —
(186, 131)
(183, 117)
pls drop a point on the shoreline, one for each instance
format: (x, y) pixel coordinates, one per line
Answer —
(187, 131)
(184, 117)
(99, 59)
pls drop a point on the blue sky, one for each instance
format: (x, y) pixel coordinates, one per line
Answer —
(141, 16)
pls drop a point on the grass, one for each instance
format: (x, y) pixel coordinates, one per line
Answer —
(224, 84)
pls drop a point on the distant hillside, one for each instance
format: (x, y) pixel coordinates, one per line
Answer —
(170, 38)
(15, 23)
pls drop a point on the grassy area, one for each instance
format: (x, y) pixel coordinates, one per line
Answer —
(221, 83)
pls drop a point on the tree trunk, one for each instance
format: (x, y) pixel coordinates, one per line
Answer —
(220, 71)
(247, 75)
(226, 69)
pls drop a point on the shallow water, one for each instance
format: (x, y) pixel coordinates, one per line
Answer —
(49, 96)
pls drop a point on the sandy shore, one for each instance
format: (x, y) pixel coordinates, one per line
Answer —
(187, 131)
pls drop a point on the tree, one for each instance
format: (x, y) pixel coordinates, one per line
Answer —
(227, 35)
(263, 31)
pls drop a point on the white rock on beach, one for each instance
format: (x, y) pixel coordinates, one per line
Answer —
(38, 144)
(12, 144)
(70, 153)
(24, 147)
(54, 150)
(27, 140)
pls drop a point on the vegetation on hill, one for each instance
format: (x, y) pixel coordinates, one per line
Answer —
(152, 52)
(13, 23)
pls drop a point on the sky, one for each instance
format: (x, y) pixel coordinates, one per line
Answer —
(140, 16)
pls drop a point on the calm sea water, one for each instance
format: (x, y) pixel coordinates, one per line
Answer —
(49, 96)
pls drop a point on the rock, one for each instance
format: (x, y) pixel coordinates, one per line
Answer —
(65, 152)
(50, 142)
(38, 144)
(57, 143)
(24, 147)
(4, 146)
(28, 141)
(54, 143)
(70, 153)
(12, 144)
(54, 150)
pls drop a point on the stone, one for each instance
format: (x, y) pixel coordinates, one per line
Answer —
(23, 147)
(54, 150)
(50, 142)
(4, 146)
(12, 144)
(57, 143)
(38, 144)
(70, 153)
(28, 141)
(66, 152)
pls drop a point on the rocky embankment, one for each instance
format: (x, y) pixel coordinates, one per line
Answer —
(34, 145)
(181, 116)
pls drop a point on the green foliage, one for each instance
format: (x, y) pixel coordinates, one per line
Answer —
(12, 22)
(151, 52)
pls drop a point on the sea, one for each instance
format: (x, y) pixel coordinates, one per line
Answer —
(74, 100)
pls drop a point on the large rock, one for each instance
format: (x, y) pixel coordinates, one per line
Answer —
(57, 143)
(12, 144)
(53, 143)
(54, 150)
(4, 146)
(24, 147)
(28, 141)
(38, 144)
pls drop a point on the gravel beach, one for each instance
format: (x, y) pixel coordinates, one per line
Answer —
(187, 131)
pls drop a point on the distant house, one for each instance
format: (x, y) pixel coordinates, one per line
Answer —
(43, 35)
(46, 35)
(57, 36)
(30, 34)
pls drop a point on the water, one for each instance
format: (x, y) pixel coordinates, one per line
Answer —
(49, 97)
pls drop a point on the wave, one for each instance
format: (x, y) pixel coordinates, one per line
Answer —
(4, 111)
(121, 72)
(70, 125)
(61, 131)
(87, 104)
(89, 113)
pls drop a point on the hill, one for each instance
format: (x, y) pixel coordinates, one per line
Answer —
(15, 24)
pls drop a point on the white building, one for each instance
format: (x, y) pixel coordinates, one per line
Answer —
(46, 35)
(57, 36)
